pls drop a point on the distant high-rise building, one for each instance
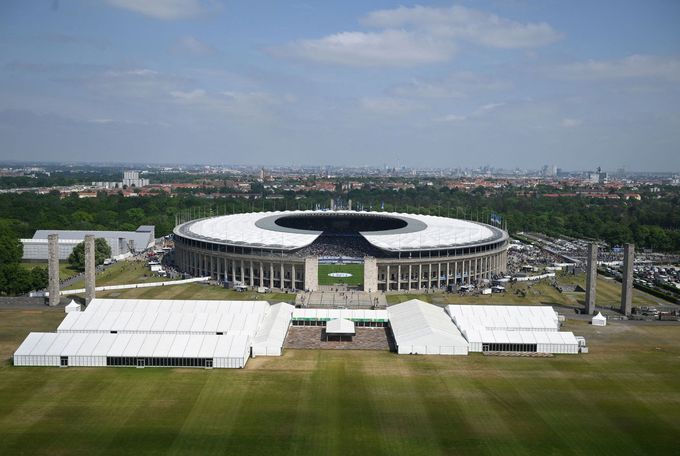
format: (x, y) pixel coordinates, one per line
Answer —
(131, 179)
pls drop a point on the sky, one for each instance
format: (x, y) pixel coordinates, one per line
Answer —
(512, 83)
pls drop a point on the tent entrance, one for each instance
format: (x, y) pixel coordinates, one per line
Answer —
(141, 363)
(208, 363)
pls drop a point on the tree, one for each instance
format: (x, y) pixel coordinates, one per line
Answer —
(102, 251)
(11, 249)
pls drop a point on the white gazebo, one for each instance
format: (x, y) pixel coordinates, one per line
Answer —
(340, 329)
(72, 307)
(599, 320)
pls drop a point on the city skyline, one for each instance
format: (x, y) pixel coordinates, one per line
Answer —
(434, 84)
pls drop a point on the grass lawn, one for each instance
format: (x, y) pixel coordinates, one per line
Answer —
(65, 269)
(357, 271)
(195, 291)
(622, 398)
(123, 272)
(608, 295)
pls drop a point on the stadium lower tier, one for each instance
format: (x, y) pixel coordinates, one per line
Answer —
(289, 272)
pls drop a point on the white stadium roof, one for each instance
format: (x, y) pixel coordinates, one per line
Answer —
(259, 230)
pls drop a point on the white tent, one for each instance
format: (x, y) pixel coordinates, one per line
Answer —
(72, 307)
(270, 336)
(421, 328)
(340, 326)
(160, 350)
(599, 320)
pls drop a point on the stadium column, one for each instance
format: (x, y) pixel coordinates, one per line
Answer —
(387, 277)
(271, 275)
(475, 273)
(420, 276)
(261, 274)
(243, 272)
(429, 275)
(410, 271)
(469, 269)
(212, 266)
(398, 277)
(292, 276)
(455, 273)
(252, 274)
(218, 265)
(281, 282)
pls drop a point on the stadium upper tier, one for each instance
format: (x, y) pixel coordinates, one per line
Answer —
(292, 230)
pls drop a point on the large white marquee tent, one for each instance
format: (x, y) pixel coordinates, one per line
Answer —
(421, 328)
(119, 332)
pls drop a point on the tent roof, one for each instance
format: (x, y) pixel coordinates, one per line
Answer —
(416, 322)
(340, 326)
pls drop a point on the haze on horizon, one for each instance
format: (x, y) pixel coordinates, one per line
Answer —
(444, 84)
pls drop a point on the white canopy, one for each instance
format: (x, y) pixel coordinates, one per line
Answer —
(599, 320)
(72, 307)
(422, 328)
(340, 326)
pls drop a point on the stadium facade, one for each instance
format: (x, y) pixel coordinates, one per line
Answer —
(283, 249)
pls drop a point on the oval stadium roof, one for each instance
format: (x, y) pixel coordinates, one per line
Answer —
(261, 231)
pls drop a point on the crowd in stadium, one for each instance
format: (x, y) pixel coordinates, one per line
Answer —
(352, 246)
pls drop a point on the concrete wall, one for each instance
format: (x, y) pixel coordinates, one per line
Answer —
(311, 273)
(370, 274)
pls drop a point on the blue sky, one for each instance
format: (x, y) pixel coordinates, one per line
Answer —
(514, 83)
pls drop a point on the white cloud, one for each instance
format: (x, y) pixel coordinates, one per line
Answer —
(386, 105)
(242, 104)
(479, 112)
(418, 35)
(190, 45)
(384, 48)
(164, 9)
(571, 123)
(451, 118)
(631, 67)
(457, 85)
(472, 25)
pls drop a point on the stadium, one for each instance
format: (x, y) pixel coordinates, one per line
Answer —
(367, 250)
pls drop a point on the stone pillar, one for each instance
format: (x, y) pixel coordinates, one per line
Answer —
(252, 274)
(410, 272)
(293, 285)
(89, 268)
(591, 278)
(627, 280)
(271, 275)
(370, 274)
(387, 278)
(312, 273)
(399, 276)
(53, 268)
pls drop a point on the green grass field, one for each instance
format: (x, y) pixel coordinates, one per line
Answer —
(65, 269)
(622, 398)
(357, 271)
(608, 295)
